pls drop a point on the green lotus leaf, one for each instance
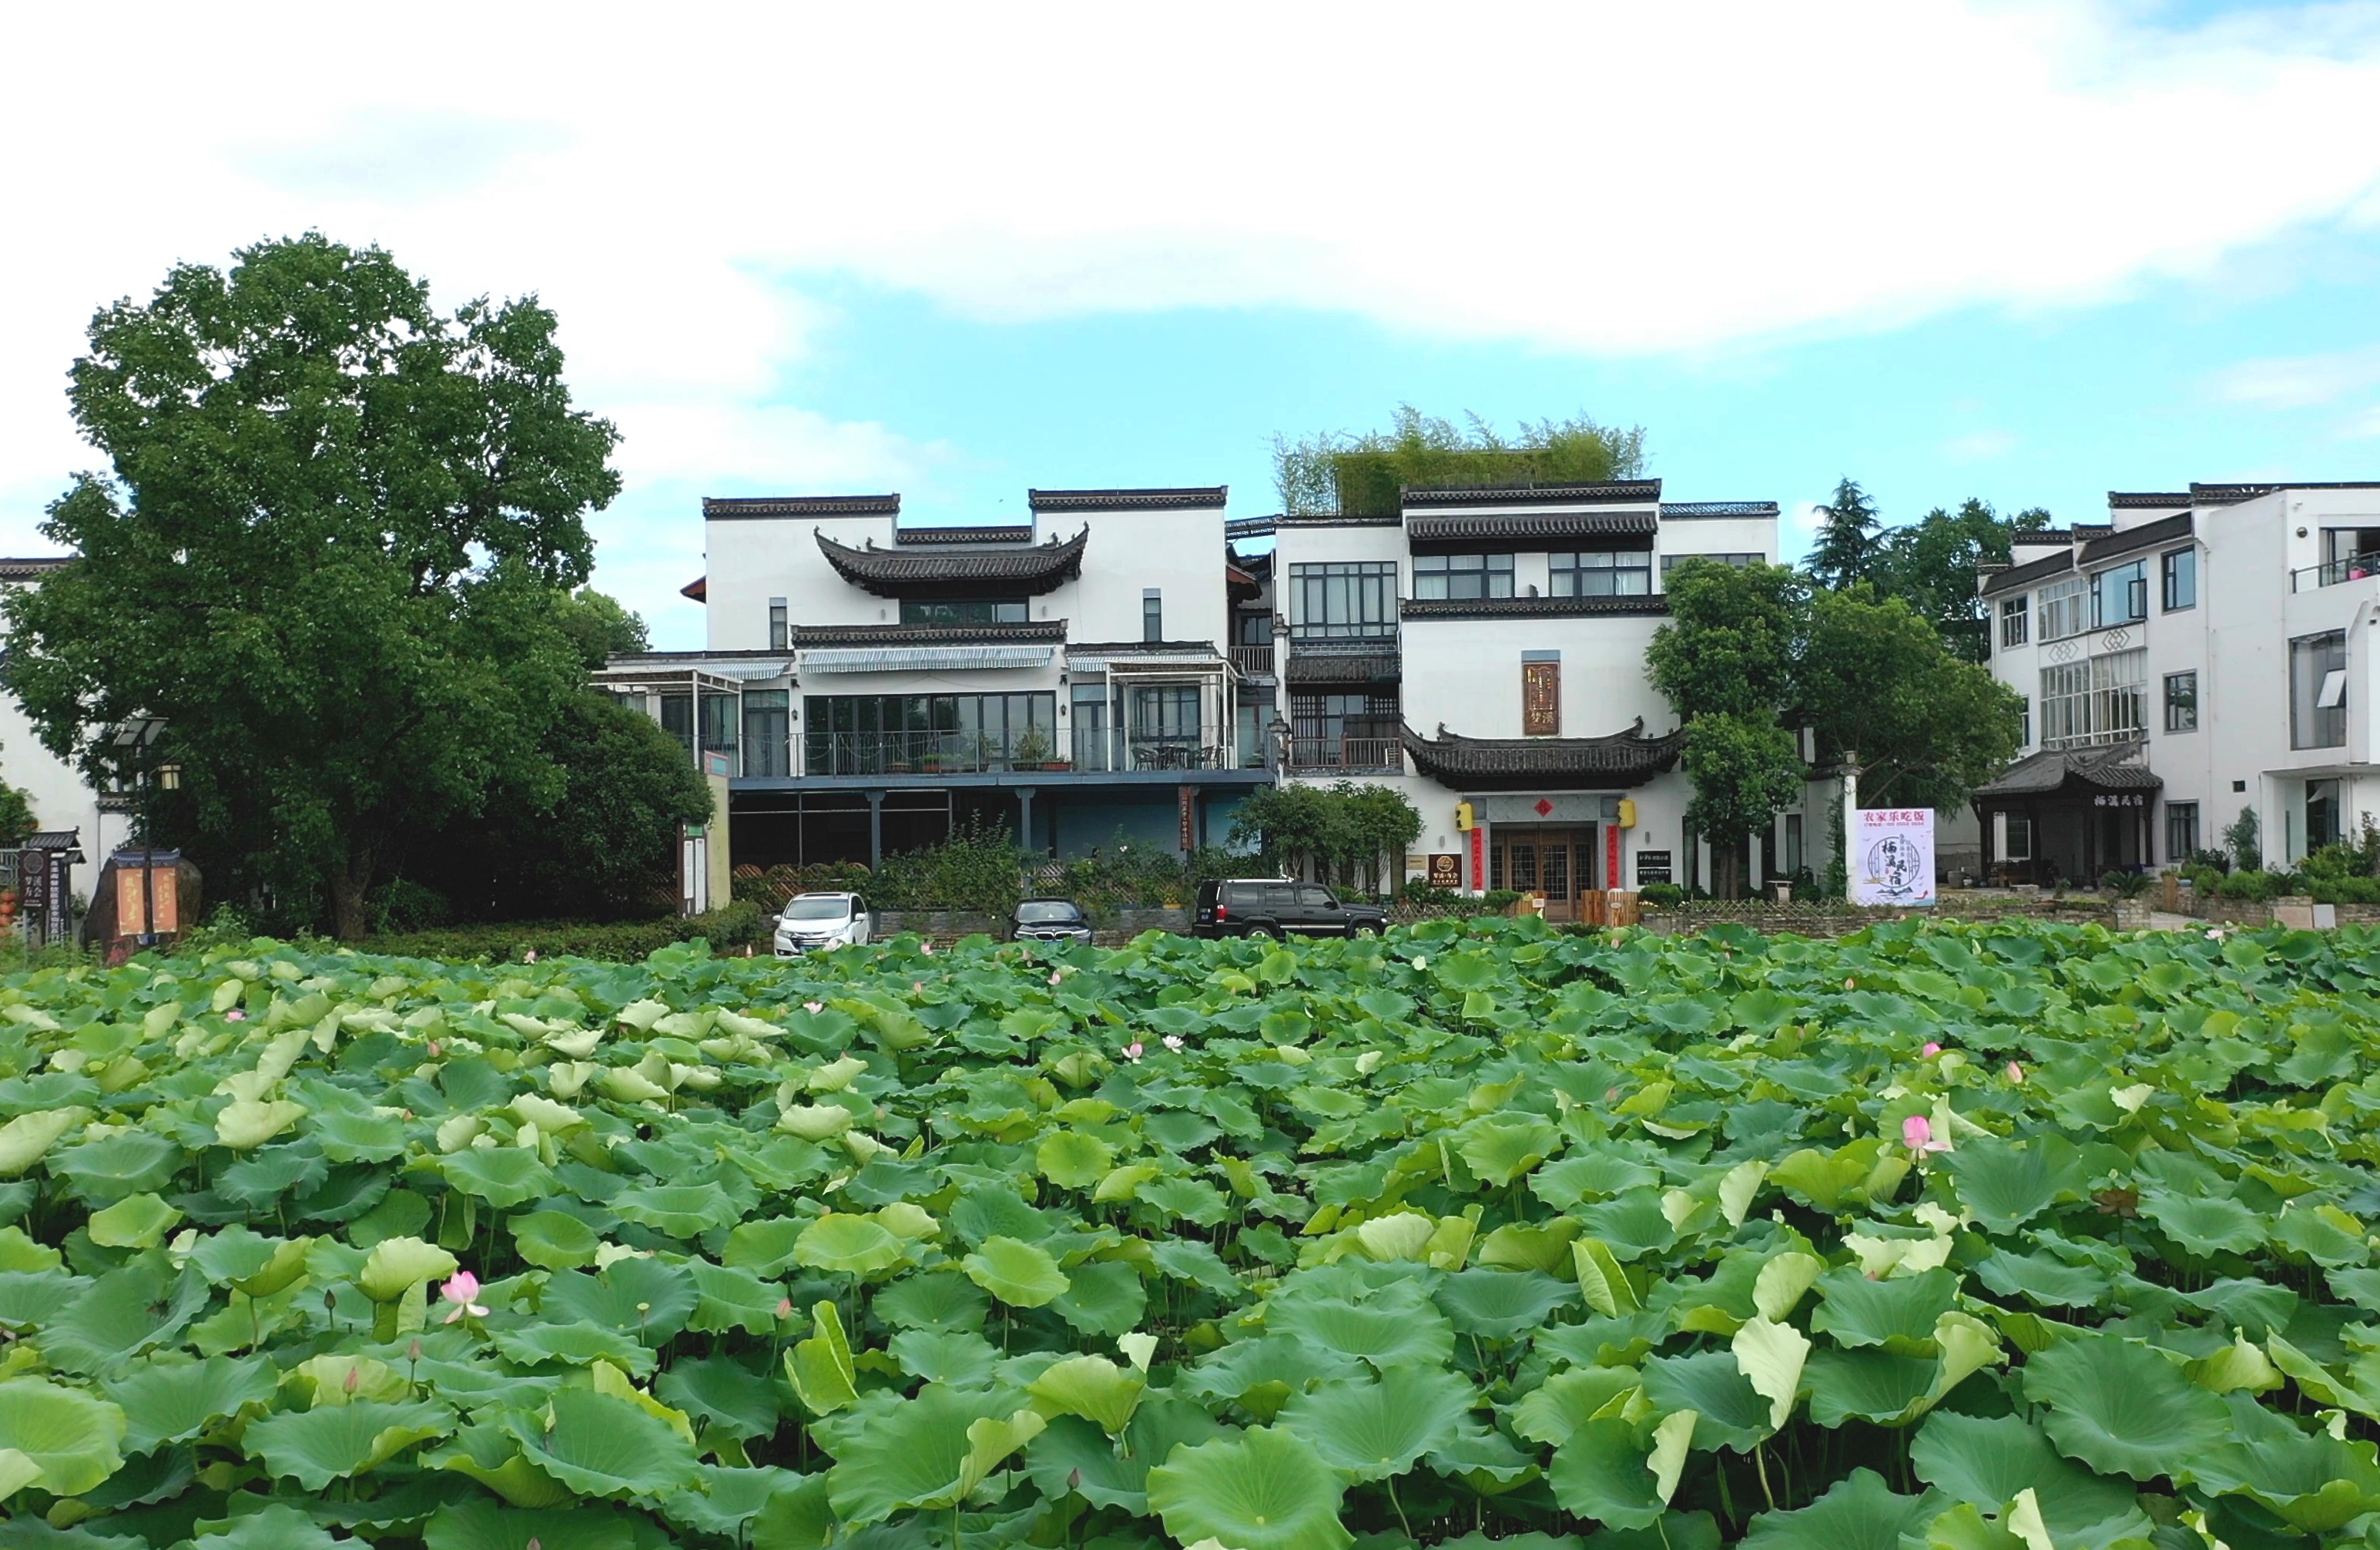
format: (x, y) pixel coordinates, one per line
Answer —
(728, 1396)
(128, 1310)
(798, 1516)
(503, 1175)
(174, 1403)
(17, 1471)
(1089, 1387)
(941, 1300)
(576, 1344)
(1260, 1490)
(854, 1245)
(2045, 1280)
(555, 1240)
(275, 1526)
(126, 1163)
(679, 1210)
(347, 1137)
(1898, 1314)
(765, 1247)
(1384, 1333)
(1632, 1227)
(2203, 1224)
(134, 1222)
(396, 1265)
(1502, 1148)
(2006, 1184)
(727, 1299)
(1373, 1430)
(1189, 1200)
(928, 1452)
(1074, 1455)
(821, 1368)
(244, 1123)
(1501, 1304)
(30, 1299)
(1073, 1160)
(1600, 1471)
(1860, 1512)
(946, 1356)
(599, 1446)
(1875, 1385)
(492, 1456)
(74, 1438)
(483, 1525)
(24, 1139)
(1590, 1175)
(339, 1442)
(1988, 1460)
(2120, 1407)
(2313, 1482)
(1711, 1384)
(1102, 1298)
(647, 1298)
(1567, 1400)
(1020, 1274)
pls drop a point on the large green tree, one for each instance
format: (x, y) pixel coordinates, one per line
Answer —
(1933, 564)
(1845, 551)
(1743, 768)
(326, 551)
(1877, 683)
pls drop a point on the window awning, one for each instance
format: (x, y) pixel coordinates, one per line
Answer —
(923, 659)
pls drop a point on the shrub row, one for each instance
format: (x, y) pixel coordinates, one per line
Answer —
(730, 927)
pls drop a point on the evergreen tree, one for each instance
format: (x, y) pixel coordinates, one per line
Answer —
(1846, 551)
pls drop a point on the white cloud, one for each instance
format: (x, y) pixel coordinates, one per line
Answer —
(2299, 381)
(1596, 178)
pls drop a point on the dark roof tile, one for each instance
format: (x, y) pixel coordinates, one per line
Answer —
(1673, 511)
(2166, 529)
(1610, 492)
(1032, 570)
(1543, 525)
(742, 508)
(1179, 498)
(2110, 768)
(1624, 759)
(926, 634)
(1415, 609)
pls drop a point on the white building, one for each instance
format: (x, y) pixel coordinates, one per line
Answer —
(870, 684)
(61, 799)
(1487, 647)
(2202, 651)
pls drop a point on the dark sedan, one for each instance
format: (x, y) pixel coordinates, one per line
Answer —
(1048, 919)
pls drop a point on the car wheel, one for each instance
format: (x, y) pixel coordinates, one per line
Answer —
(1272, 933)
(1363, 928)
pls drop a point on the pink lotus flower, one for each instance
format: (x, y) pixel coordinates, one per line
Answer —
(814, 1007)
(1851, 984)
(1055, 977)
(930, 949)
(784, 1307)
(1931, 1050)
(530, 956)
(354, 1373)
(1173, 1043)
(236, 1015)
(1917, 1133)
(2016, 1072)
(433, 1049)
(1132, 1052)
(463, 1291)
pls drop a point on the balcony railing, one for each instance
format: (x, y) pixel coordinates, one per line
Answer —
(1347, 753)
(1253, 660)
(2352, 568)
(897, 754)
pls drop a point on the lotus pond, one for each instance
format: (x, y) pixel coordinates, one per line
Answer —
(1984, 1239)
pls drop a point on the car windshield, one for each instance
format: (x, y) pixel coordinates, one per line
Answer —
(1047, 912)
(818, 909)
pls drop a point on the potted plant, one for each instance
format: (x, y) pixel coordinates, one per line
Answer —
(1033, 749)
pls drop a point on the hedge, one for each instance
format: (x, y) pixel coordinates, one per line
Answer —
(728, 928)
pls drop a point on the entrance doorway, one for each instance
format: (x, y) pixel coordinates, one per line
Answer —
(1558, 862)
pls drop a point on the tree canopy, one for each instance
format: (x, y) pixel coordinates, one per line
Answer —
(1845, 552)
(1877, 680)
(1344, 826)
(327, 551)
(1362, 475)
(1932, 564)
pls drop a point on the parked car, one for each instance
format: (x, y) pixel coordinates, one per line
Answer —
(1280, 907)
(810, 923)
(1048, 919)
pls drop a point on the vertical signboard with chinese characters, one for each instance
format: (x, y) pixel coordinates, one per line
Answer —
(1892, 856)
(1540, 697)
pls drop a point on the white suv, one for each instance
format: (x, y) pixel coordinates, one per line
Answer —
(812, 922)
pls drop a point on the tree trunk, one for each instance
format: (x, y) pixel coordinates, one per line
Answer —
(348, 882)
(1727, 868)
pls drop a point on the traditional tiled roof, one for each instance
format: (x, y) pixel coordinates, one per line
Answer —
(1143, 647)
(926, 634)
(1249, 527)
(1533, 607)
(2146, 500)
(1549, 526)
(2232, 494)
(1609, 492)
(32, 567)
(1011, 533)
(2148, 535)
(1337, 519)
(698, 589)
(1624, 759)
(2111, 767)
(1674, 512)
(749, 508)
(2018, 577)
(1308, 667)
(1029, 568)
(1184, 499)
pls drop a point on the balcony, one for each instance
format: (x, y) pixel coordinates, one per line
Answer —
(1371, 755)
(2351, 568)
(902, 753)
(1252, 662)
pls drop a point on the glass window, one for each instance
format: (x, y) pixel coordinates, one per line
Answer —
(971, 610)
(2103, 700)
(1461, 576)
(899, 734)
(2014, 618)
(1311, 897)
(1168, 711)
(2180, 570)
(1092, 744)
(1152, 615)
(2065, 704)
(2181, 701)
(1670, 562)
(2061, 607)
(1792, 843)
(677, 719)
(2025, 723)
(2181, 831)
(2120, 594)
(765, 715)
(2322, 814)
(2318, 690)
(1601, 572)
(2020, 838)
(777, 631)
(1342, 730)
(1343, 600)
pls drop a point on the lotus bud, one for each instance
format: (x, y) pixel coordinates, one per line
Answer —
(235, 1015)
(1931, 1050)
(784, 1307)
(433, 1049)
(330, 1301)
(813, 1007)
(412, 1351)
(354, 1376)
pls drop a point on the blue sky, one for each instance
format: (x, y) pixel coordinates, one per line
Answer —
(2029, 249)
